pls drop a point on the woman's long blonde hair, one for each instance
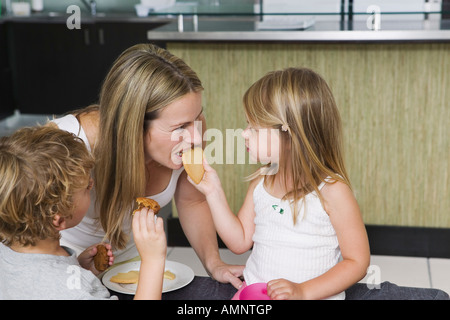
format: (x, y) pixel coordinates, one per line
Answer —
(299, 101)
(142, 81)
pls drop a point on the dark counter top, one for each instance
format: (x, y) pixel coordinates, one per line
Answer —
(61, 17)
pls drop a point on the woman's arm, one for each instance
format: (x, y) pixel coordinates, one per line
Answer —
(196, 221)
(345, 216)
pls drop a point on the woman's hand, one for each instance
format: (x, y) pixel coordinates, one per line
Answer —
(86, 258)
(149, 235)
(226, 273)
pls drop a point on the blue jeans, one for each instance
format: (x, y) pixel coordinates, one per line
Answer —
(390, 291)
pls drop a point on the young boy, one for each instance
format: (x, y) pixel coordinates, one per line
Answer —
(45, 188)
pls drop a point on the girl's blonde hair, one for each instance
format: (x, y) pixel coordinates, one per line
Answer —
(40, 169)
(299, 102)
(142, 81)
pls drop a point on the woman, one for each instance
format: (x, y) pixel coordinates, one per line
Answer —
(148, 113)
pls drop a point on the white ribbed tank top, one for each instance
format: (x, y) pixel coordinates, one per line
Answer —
(281, 249)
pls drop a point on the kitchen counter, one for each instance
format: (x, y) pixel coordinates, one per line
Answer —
(233, 27)
(61, 17)
(239, 23)
(304, 23)
(245, 30)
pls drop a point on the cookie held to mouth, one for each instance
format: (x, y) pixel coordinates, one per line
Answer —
(193, 164)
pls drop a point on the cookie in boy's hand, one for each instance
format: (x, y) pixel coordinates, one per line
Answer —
(193, 164)
(101, 259)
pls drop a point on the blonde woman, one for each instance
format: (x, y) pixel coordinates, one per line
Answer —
(148, 97)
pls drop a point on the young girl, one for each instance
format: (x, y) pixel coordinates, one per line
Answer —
(302, 219)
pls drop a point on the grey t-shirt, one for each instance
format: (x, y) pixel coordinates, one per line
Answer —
(29, 276)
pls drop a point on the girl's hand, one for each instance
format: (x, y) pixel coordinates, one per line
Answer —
(210, 182)
(282, 289)
(149, 235)
(86, 258)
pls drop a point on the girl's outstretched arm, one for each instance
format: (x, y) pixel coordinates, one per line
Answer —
(235, 231)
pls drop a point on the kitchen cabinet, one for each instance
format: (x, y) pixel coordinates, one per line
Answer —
(6, 97)
(55, 69)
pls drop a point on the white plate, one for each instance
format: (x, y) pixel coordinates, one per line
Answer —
(183, 276)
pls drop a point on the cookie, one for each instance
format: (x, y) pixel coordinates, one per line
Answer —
(193, 164)
(169, 275)
(126, 278)
(147, 203)
(101, 259)
(133, 277)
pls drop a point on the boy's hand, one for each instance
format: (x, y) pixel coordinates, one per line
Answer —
(149, 235)
(86, 258)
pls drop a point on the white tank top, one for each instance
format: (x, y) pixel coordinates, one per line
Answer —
(89, 230)
(281, 249)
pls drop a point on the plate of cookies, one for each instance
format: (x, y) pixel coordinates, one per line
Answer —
(124, 277)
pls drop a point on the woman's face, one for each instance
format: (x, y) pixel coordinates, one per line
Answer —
(177, 128)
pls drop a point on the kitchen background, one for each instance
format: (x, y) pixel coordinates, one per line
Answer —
(394, 98)
(123, 6)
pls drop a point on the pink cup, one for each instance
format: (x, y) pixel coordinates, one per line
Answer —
(256, 291)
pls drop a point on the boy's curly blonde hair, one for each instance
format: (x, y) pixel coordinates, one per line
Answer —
(40, 169)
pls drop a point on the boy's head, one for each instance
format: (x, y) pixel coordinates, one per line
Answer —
(41, 169)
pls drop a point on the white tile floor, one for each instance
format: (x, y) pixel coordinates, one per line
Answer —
(403, 271)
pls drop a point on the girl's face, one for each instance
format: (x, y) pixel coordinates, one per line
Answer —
(263, 144)
(177, 128)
